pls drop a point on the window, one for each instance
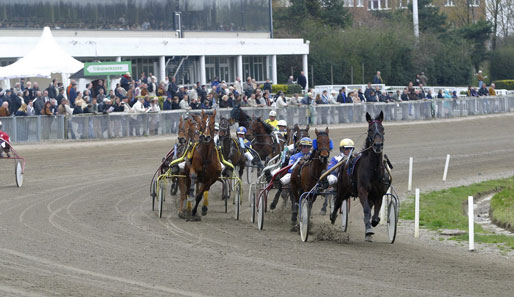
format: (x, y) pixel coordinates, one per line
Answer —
(475, 3)
(449, 3)
(360, 3)
(373, 4)
(403, 3)
(348, 3)
(385, 4)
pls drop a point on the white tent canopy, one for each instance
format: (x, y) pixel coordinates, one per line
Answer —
(45, 58)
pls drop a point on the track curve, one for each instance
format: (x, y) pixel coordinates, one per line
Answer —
(82, 225)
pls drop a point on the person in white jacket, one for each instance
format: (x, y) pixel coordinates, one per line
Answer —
(138, 106)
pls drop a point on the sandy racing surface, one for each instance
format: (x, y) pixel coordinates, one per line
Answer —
(82, 225)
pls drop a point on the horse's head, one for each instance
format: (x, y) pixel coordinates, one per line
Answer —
(193, 130)
(376, 133)
(224, 128)
(322, 144)
(207, 127)
(182, 128)
(299, 134)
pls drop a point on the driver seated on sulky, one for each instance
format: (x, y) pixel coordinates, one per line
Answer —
(246, 147)
(305, 152)
(4, 143)
(272, 121)
(346, 147)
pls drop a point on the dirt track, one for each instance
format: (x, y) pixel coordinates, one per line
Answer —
(82, 225)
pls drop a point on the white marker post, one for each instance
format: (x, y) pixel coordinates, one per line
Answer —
(416, 215)
(409, 188)
(446, 167)
(471, 219)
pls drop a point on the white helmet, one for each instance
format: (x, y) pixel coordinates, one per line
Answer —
(282, 123)
(216, 126)
(272, 113)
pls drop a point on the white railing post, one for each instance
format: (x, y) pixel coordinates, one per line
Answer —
(409, 187)
(416, 215)
(471, 221)
(446, 167)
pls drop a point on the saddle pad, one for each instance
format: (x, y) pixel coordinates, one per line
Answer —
(353, 163)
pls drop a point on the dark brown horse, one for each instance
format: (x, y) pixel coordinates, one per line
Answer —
(368, 179)
(204, 167)
(261, 136)
(229, 148)
(305, 175)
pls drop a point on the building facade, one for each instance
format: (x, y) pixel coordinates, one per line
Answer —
(194, 40)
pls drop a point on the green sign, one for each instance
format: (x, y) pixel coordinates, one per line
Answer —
(107, 68)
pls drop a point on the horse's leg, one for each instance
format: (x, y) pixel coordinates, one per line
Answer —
(277, 196)
(183, 189)
(191, 195)
(198, 198)
(363, 197)
(205, 203)
(377, 205)
(338, 201)
(294, 207)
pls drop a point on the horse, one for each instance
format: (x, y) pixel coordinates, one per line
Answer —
(229, 147)
(261, 136)
(192, 137)
(368, 180)
(293, 137)
(204, 167)
(305, 174)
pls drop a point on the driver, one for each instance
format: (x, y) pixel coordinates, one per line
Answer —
(305, 145)
(272, 119)
(4, 143)
(216, 134)
(346, 147)
(282, 128)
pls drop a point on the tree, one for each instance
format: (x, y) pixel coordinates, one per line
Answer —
(476, 35)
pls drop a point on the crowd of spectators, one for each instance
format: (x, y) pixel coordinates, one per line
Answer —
(142, 95)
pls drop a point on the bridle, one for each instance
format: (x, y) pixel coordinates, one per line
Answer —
(377, 147)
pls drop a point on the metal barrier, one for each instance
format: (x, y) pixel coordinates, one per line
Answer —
(116, 125)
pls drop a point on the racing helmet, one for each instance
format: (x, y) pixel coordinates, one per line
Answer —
(306, 141)
(216, 126)
(272, 113)
(346, 143)
(282, 123)
(241, 130)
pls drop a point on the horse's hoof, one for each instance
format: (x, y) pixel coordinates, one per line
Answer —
(182, 215)
(323, 212)
(374, 222)
(272, 206)
(204, 210)
(368, 238)
(333, 218)
(194, 219)
(294, 228)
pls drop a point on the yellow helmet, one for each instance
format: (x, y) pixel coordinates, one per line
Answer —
(347, 142)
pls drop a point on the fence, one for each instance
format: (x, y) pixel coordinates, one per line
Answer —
(115, 125)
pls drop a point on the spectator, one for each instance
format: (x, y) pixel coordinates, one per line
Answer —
(480, 78)
(39, 103)
(342, 98)
(295, 100)
(60, 96)
(100, 96)
(139, 107)
(80, 104)
(418, 80)
(440, 94)
(166, 105)
(22, 111)
(73, 94)
(302, 80)
(238, 86)
(251, 101)
(53, 106)
(421, 94)
(290, 80)
(492, 90)
(248, 87)
(267, 85)
(446, 94)
(429, 95)
(206, 104)
(405, 95)
(152, 86)
(423, 79)
(147, 102)
(397, 96)
(161, 91)
(361, 96)
(412, 92)
(368, 91)
(332, 97)
(17, 88)
(172, 87)
(372, 97)
(125, 81)
(378, 93)
(26, 96)
(30, 108)
(184, 103)
(483, 90)
(117, 105)
(318, 99)
(16, 101)
(61, 110)
(266, 99)
(377, 79)
(307, 99)
(355, 97)
(154, 106)
(52, 89)
(144, 90)
(4, 109)
(324, 97)
(175, 103)
(215, 82)
(46, 109)
(281, 101)
(225, 103)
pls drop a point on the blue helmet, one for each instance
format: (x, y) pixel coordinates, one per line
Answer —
(306, 141)
(241, 130)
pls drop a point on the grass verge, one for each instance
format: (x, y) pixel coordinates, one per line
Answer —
(502, 208)
(444, 209)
